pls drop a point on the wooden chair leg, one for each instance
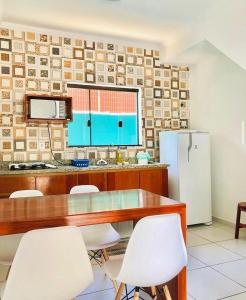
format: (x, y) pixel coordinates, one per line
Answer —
(105, 254)
(167, 293)
(136, 295)
(238, 222)
(153, 292)
(115, 285)
(120, 291)
(106, 257)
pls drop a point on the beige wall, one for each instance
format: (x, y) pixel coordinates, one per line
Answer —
(218, 104)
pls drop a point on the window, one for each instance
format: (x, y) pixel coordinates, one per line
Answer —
(104, 116)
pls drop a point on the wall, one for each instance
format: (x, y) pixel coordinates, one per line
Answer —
(43, 63)
(218, 92)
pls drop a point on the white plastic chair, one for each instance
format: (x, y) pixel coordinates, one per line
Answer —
(155, 254)
(26, 193)
(50, 264)
(9, 243)
(100, 236)
(97, 237)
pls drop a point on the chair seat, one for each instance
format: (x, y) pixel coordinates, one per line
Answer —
(100, 236)
(8, 247)
(112, 267)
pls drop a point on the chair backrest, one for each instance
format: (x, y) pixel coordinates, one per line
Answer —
(26, 193)
(50, 264)
(81, 189)
(155, 253)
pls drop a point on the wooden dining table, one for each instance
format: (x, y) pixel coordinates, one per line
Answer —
(20, 215)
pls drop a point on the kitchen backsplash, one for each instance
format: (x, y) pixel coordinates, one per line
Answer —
(34, 63)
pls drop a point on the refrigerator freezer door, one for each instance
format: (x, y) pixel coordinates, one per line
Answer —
(195, 176)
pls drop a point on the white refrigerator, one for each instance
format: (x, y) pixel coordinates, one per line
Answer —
(187, 153)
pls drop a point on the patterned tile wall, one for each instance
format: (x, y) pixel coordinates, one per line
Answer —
(43, 64)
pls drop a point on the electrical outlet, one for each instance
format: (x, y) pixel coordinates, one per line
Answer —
(41, 146)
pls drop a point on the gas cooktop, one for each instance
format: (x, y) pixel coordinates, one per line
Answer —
(31, 166)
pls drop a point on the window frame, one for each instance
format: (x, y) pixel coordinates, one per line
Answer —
(137, 90)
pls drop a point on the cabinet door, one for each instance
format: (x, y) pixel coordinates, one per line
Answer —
(123, 180)
(154, 181)
(56, 184)
(97, 179)
(10, 184)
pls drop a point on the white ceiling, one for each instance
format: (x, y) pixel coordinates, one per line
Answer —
(174, 25)
(159, 21)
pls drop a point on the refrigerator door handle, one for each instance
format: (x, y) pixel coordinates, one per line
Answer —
(190, 145)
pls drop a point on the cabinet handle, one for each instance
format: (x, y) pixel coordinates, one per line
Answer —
(120, 124)
(89, 123)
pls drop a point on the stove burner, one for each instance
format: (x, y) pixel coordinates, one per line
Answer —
(31, 166)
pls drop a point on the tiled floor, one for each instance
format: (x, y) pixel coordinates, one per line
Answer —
(216, 267)
(217, 263)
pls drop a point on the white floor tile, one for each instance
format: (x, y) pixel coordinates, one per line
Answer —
(145, 296)
(234, 270)
(223, 225)
(101, 295)
(237, 297)
(212, 254)
(194, 263)
(101, 281)
(215, 234)
(192, 228)
(107, 295)
(195, 240)
(237, 246)
(207, 284)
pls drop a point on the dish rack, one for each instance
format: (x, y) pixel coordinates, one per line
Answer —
(80, 163)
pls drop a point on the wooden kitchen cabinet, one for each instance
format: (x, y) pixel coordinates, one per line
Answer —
(98, 179)
(10, 184)
(151, 179)
(56, 184)
(155, 181)
(123, 180)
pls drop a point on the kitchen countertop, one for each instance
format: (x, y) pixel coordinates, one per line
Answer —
(70, 169)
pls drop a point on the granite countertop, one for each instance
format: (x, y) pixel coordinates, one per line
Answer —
(68, 168)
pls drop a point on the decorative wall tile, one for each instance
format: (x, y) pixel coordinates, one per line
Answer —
(6, 94)
(33, 156)
(5, 82)
(41, 63)
(5, 44)
(30, 48)
(89, 55)
(6, 145)
(19, 145)
(30, 36)
(89, 45)
(89, 77)
(18, 71)
(20, 156)
(6, 157)
(18, 46)
(5, 70)
(55, 40)
(78, 53)
(5, 57)
(4, 32)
